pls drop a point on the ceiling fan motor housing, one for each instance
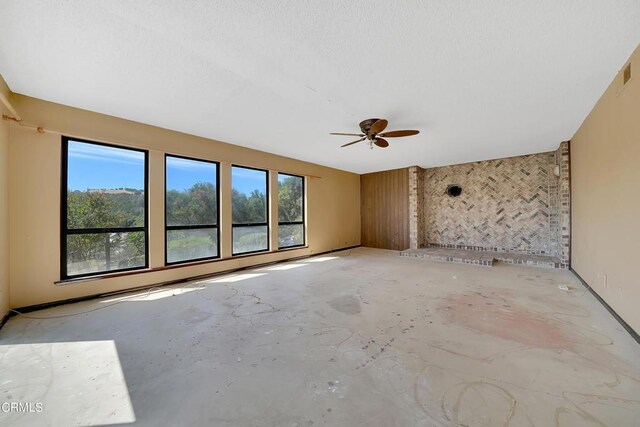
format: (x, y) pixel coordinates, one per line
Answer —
(365, 125)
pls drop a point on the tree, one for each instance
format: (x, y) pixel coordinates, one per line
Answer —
(104, 210)
(290, 199)
(248, 209)
(197, 205)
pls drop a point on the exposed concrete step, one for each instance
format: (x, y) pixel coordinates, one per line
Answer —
(483, 258)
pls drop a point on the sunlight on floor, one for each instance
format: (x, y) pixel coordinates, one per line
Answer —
(153, 294)
(73, 383)
(322, 259)
(281, 267)
(234, 278)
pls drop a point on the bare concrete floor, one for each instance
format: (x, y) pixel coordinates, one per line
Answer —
(362, 338)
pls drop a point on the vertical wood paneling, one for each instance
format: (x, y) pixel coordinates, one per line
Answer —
(384, 200)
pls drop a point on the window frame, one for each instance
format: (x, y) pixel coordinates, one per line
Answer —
(65, 231)
(302, 222)
(168, 228)
(252, 224)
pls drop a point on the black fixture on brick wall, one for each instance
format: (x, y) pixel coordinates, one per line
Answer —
(454, 190)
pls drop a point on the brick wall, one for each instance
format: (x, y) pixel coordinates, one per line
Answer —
(554, 205)
(564, 195)
(516, 204)
(416, 207)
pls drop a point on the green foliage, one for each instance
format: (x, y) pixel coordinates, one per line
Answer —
(191, 244)
(248, 239)
(290, 235)
(136, 250)
(290, 199)
(248, 209)
(196, 206)
(94, 209)
(87, 209)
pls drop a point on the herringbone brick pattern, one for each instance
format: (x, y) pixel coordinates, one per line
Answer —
(504, 206)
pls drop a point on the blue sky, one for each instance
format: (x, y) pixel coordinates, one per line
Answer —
(283, 176)
(94, 166)
(98, 166)
(182, 174)
(247, 180)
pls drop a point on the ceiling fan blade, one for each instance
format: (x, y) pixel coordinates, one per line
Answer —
(346, 145)
(347, 134)
(399, 133)
(378, 126)
(382, 143)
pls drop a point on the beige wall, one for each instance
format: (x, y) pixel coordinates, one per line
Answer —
(333, 204)
(605, 190)
(4, 207)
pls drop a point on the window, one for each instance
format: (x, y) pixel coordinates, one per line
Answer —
(103, 209)
(191, 210)
(290, 211)
(249, 195)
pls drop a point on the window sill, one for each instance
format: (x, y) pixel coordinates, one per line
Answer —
(172, 266)
(291, 248)
(252, 253)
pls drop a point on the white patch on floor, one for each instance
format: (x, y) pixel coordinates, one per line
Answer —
(63, 384)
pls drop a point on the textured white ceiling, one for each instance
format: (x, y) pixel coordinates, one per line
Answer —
(479, 79)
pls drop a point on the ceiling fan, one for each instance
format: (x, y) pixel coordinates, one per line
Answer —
(372, 132)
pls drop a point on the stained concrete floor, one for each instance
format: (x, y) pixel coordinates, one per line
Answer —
(360, 338)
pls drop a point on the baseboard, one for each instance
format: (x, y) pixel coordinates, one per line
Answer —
(620, 320)
(30, 308)
(4, 319)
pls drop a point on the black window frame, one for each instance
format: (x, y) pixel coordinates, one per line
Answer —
(303, 222)
(65, 231)
(168, 228)
(253, 224)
